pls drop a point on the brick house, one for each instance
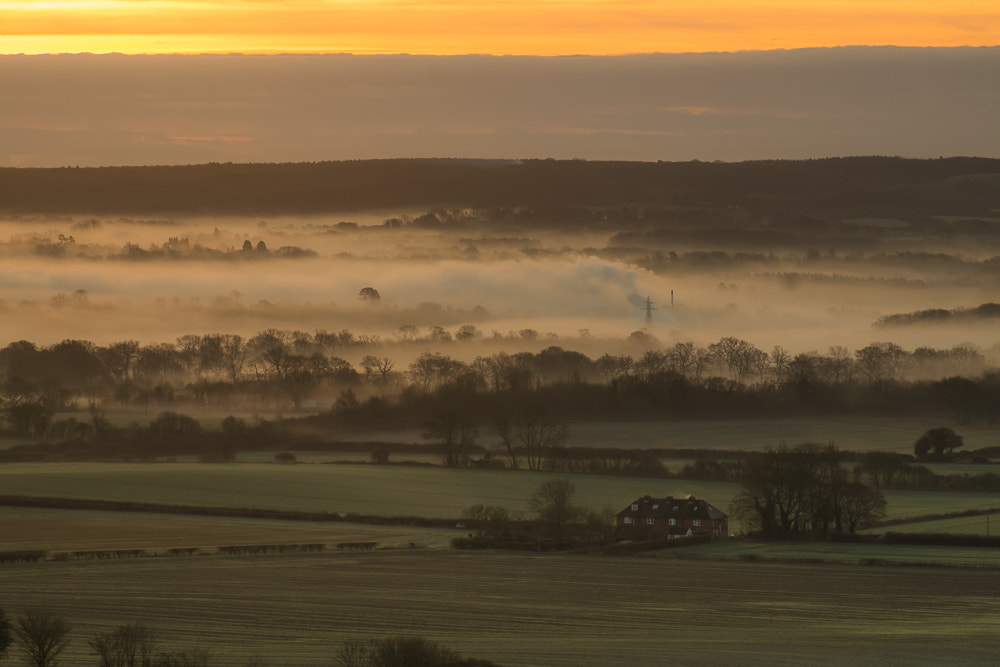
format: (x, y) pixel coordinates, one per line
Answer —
(672, 517)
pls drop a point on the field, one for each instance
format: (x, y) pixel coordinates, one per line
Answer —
(519, 609)
(381, 490)
(706, 605)
(895, 435)
(53, 530)
(362, 489)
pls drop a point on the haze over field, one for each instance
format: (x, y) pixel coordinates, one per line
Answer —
(111, 279)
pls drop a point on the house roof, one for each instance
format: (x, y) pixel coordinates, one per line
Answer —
(648, 507)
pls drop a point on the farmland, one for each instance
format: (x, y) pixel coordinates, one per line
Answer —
(363, 489)
(521, 609)
(887, 435)
(434, 492)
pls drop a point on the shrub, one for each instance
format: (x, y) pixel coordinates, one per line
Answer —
(402, 652)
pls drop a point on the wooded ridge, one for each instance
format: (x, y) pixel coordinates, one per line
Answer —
(884, 185)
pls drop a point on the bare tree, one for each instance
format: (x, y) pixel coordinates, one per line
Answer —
(456, 436)
(42, 637)
(862, 505)
(128, 646)
(378, 370)
(553, 503)
(532, 433)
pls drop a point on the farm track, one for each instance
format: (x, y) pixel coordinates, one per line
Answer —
(527, 609)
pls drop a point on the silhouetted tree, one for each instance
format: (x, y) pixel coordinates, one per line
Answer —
(370, 296)
(456, 436)
(532, 432)
(42, 637)
(942, 440)
(468, 332)
(128, 646)
(881, 467)
(862, 505)
(378, 370)
(552, 502)
(794, 490)
(29, 419)
(5, 634)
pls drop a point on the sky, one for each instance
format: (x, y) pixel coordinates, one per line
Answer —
(182, 82)
(452, 27)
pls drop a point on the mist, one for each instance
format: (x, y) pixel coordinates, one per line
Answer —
(106, 280)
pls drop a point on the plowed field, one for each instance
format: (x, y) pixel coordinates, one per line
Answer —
(527, 609)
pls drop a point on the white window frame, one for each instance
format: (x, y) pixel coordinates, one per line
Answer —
(650, 521)
(697, 523)
(671, 522)
(628, 519)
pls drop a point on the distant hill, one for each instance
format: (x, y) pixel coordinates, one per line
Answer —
(880, 188)
(984, 312)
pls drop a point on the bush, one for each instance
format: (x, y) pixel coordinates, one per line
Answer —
(402, 652)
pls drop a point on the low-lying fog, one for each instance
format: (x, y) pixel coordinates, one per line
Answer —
(156, 280)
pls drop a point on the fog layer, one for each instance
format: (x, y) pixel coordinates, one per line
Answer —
(154, 281)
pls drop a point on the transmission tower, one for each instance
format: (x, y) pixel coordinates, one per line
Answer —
(648, 313)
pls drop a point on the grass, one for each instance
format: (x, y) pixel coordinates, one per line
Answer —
(382, 490)
(845, 552)
(53, 530)
(361, 489)
(527, 609)
(740, 434)
(981, 524)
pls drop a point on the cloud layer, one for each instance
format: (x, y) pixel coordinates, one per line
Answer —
(128, 110)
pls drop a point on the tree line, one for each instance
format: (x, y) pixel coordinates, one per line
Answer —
(835, 187)
(516, 393)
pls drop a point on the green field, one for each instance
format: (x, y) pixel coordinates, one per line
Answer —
(58, 530)
(382, 490)
(980, 524)
(527, 609)
(361, 489)
(738, 434)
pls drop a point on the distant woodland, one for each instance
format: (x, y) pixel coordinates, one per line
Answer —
(556, 191)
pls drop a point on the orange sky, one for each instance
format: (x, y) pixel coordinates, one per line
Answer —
(540, 27)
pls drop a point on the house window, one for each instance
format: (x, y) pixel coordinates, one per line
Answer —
(671, 522)
(628, 519)
(650, 521)
(635, 507)
(696, 522)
